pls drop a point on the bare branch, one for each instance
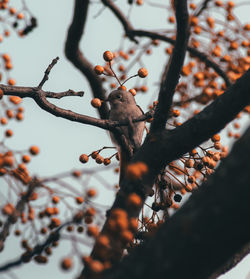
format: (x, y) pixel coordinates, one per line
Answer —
(76, 57)
(171, 78)
(19, 208)
(132, 33)
(38, 249)
(202, 7)
(46, 73)
(202, 56)
(121, 17)
(39, 96)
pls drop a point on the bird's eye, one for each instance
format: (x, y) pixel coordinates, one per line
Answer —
(119, 96)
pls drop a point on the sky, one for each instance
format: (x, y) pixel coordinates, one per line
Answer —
(61, 141)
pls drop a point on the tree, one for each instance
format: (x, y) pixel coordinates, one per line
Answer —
(205, 236)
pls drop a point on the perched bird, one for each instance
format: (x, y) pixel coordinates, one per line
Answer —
(123, 107)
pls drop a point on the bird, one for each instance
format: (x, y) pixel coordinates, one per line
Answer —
(123, 107)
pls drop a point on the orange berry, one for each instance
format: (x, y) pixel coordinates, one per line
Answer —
(144, 88)
(66, 263)
(99, 69)
(55, 221)
(1, 94)
(8, 161)
(189, 163)
(15, 100)
(20, 16)
(189, 188)
(55, 199)
(34, 150)
(230, 4)
(9, 113)
(108, 56)
(6, 33)
(99, 159)
(142, 72)
(176, 113)
(136, 170)
(103, 240)
(91, 193)
(96, 103)
(124, 88)
(11, 81)
(132, 91)
(19, 116)
(171, 19)
(134, 199)
(3, 120)
(139, 2)
(76, 173)
(215, 138)
(107, 161)
(84, 158)
(219, 3)
(12, 10)
(93, 231)
(192, 6)
(94, 154)
(8, 133)
(217, 145)
(26, 158)
(127, 236)
(247, 27)
(79, 200)
(8, 209)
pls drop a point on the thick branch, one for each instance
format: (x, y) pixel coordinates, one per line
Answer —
(76, 57)
(161, 149)
(232, 262)
(205, 232)
(170, 80)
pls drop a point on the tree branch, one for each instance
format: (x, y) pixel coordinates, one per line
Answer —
(208, 224)
(171, 78)
(202, 56)
(132, 33)
(232, 262)
(39, 96)
(19, 208)
(38, 249)
(159, 150)
(47, 72)
(76, 57)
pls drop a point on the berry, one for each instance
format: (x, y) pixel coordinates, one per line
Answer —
(142, 72)
(96, 103)
(108, 56)
(84, 158)
(177, 198)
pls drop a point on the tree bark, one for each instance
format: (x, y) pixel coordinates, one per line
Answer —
(208, 230)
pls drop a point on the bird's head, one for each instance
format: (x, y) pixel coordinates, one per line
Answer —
(120, 97)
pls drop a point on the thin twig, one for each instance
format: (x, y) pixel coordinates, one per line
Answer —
(46, 73)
